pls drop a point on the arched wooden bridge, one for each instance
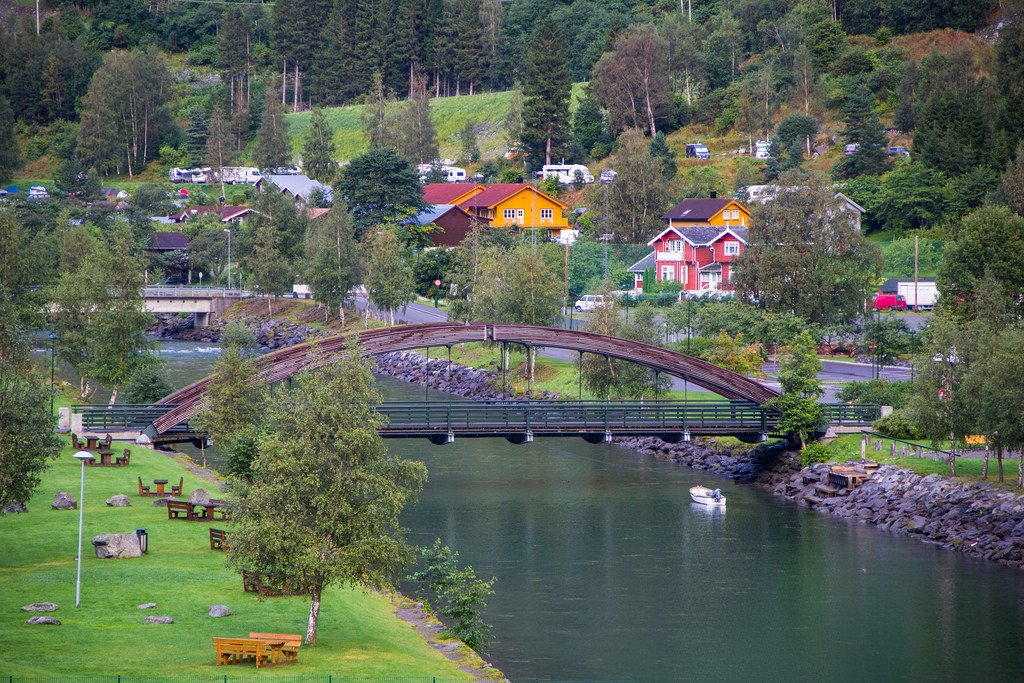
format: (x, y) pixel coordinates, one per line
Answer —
(280, 365)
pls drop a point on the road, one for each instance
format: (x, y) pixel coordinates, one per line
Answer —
(834, 375)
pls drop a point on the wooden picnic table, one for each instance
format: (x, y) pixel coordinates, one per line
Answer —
(92, 441)
(105, 457)
(160, 484)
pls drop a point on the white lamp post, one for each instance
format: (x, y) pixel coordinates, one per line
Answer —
(83, 456)
(229, 256)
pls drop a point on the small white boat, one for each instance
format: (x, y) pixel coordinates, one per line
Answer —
(706, 496)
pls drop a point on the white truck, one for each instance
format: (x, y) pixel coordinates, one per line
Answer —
(924, 295)
(567, 174)
(238, 174)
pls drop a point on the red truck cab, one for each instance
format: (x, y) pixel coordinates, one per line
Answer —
(884, 302)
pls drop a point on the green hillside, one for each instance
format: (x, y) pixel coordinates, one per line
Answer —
(450, 114)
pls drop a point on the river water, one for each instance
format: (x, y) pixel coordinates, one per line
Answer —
(606, 571)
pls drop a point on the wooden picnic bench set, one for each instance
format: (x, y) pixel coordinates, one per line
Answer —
(266, 649)
(197, 512)
(146, 490)
(840, 481)
(103, 451)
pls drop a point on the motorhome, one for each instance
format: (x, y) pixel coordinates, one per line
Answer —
(762, 149)
(452, 174)
(180, 175)
(567, 174)
(238, 174)
(697, 151)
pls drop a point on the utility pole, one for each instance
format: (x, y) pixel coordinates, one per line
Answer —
(916, 300)
(37, 17)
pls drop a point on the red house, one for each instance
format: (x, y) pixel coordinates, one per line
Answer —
(700, 257)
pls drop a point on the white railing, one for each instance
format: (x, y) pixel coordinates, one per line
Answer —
(186, 292)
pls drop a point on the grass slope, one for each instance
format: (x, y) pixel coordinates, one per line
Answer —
(450, 114)
(359, 635)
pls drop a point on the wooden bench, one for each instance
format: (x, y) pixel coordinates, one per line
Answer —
(218, 537)
(242, 650)
(176, 490)
(75, 443)
(126, 459)
(179, 509)
(143, 490)
(288, 653)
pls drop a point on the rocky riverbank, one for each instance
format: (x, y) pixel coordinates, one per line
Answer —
(976, 519)
(438, 373)
(270, 334)
(972, 518)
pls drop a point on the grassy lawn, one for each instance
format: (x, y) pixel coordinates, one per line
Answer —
(555, 375)
(359, 635)
(847, 447)
(450, 114)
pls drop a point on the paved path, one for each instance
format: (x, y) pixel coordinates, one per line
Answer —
(835, 374)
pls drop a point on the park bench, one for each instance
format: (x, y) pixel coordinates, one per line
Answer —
(242, 650)
(218, 537)
(288, 652)
(143, 490)
(179, 509)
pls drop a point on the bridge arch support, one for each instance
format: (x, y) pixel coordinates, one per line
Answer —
(280, 365)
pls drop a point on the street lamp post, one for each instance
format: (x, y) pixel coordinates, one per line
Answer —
(53, 357)
(607, 177)
(82, 456)
(948, 362)
(228, 257)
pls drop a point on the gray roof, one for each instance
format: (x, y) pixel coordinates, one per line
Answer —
(706, 234)
(644, 263)
(299, 185)
(432, 213)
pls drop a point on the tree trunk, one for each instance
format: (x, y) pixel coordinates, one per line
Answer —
(295, 89)
(113, 396)
(984, 464)
(341, 313)
(952, 454)
(999, 462)
(284, 81)
(1020, 469)
(314, 617)
(270, 307)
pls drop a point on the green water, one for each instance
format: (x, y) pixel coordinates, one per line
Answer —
(606, 571)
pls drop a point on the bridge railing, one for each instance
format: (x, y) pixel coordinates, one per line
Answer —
(186, 292)
(120, 416)
(853, 413)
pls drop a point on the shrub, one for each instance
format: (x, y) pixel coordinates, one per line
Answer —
(898, 425)
(880, 391)
(816, 452)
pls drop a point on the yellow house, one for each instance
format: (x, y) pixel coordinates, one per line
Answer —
(722, 213)
(507, 205)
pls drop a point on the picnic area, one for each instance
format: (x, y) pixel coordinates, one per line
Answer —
(360, 636)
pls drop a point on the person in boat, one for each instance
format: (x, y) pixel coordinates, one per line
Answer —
(716, 494)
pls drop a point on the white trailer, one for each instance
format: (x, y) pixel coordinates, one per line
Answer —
(923, 296)
(239, 174)
(567, 174)
(180, 175)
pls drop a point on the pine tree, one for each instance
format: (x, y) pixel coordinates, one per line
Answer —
(318, 149)
(864, 129)
(546, 91)
(195, 137)
(10, 158)
(590, 129)
(272, 145)
(332, 81)
(660, 150)
(1010, 78)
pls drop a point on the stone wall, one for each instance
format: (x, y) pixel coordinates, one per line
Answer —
(437, 373)
(270, 334)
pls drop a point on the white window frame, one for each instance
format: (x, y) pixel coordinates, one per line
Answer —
(674, 245)
(509, 214)
(732, 248)
(547, 214)
(520, 213)
(735, 214)
(668, 273)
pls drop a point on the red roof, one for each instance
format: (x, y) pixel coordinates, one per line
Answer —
(445, 193)
(696, 209)
(499, 192)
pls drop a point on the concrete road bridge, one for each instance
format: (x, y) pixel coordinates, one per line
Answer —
(203, 302)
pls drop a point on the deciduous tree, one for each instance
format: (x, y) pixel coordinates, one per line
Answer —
(332, 262)
(380, 186)
(386, 275)
(318, 149)
(800, 412)
(324, 503)
(272, 145)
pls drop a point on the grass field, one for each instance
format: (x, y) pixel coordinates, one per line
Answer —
(360, 637)
(450, 114)
(847, 447)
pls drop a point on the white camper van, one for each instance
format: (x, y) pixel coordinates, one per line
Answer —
(239, 174)
(762, 149)
(180, 175)
(452, 174)
(567, 174)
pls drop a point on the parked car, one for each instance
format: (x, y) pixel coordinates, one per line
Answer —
(698, 151)
(899, 152)
(889, 302)
(589, 302)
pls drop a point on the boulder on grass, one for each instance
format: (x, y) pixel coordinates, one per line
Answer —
(158, 620)
(41, 607)
(199, 497)
(119, 501)
(117, 546)
(43, 620)
(219, 611)
(63, 501)
(147, 605)
(16, 507)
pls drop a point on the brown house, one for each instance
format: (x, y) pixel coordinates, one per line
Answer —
(454, 222)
